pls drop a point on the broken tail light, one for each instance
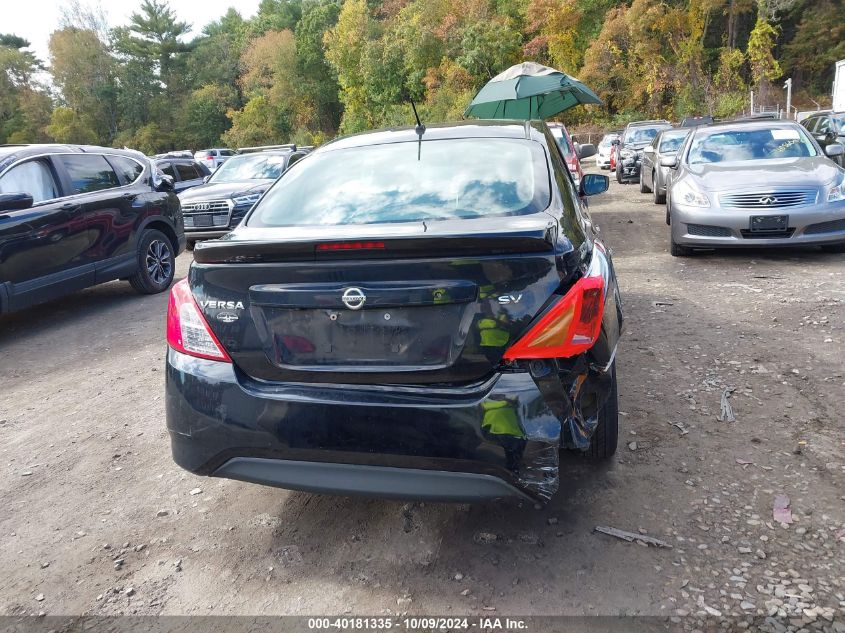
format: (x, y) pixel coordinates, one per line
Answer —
(187, 329)
(572, 325)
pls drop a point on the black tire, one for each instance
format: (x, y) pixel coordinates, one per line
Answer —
(834, 248)
(643, 188)
(659, 198)
(677, 250)
(606, 436)
(668, 216)
(156, 263)
(189, 245)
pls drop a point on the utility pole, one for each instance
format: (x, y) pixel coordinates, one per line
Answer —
(752, 102)
(788, 87)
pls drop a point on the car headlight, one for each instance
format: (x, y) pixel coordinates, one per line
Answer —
(837, 193)
(248, 199)
(684, 193)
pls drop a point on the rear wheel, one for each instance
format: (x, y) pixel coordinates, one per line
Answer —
(156, 263)
(606, 436)
(834, 248)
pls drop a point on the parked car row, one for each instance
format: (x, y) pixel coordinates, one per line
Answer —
(753, 182)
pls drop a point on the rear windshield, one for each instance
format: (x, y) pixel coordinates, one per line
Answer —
(253, 167)
(410, 181)
(750, 144)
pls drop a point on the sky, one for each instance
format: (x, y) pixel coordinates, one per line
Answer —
(34, 20)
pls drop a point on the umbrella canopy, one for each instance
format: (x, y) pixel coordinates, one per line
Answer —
(529, 91)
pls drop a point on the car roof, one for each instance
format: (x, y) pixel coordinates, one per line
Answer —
(175, 159)
(266, 152)
(749, 124)
(648, 123)
(12, 153)
(515, 129)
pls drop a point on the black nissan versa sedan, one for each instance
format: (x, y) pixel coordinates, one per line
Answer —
(419, 314)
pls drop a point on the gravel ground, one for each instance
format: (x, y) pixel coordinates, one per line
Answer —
(96, 519)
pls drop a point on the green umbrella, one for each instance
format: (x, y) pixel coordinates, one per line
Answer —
(529, 91)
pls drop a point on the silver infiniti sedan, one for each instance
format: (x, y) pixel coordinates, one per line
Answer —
(760, 183)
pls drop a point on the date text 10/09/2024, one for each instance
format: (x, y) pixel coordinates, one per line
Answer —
(421, 623)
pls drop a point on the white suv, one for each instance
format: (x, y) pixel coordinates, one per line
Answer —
(213, 158)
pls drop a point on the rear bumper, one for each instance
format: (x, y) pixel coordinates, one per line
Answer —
(369, 481)
(494, 439)
(629, 168)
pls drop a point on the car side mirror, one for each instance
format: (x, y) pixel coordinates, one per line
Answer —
(18, 201)
(205, 179)
(834, 149)
(586, 150)
(593, 184)
(670, 161)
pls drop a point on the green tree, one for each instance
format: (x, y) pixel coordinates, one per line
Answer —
(67, 126)
(24, 104)
(316, 78)
(205, 115)
(85, 73)
(258, 123)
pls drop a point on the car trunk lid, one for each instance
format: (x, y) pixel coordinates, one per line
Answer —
(382, 305)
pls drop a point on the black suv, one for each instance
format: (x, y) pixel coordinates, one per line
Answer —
(630, 148)
(185, 172)
(827, 128)
(213, 209)
(76, 216)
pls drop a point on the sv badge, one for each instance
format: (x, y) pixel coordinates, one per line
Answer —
(508, 299)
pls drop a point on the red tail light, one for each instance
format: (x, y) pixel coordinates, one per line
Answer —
(187, 329)
(571, 326)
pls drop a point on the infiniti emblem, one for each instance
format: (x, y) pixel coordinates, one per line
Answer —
(353, 298)
(768, 200)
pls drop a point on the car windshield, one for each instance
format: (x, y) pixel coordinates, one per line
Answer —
(252, 167)
(562, 142)
(672, 141)
(409, 181)
(638, 135)
(719, 146)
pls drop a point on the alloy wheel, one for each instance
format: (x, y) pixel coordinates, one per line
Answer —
(159, 262)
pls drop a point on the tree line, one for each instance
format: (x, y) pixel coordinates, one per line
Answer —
(305, 70)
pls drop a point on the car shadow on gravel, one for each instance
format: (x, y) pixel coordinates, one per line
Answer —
(79, 309)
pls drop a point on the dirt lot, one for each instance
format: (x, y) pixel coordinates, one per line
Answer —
(96, 519)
